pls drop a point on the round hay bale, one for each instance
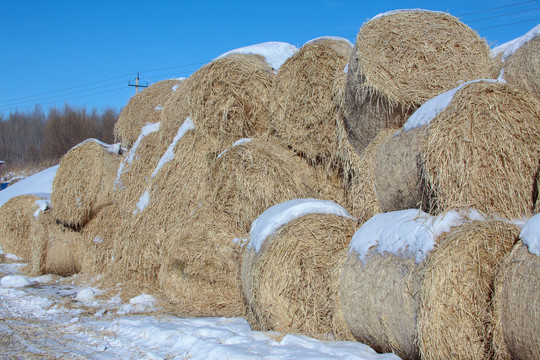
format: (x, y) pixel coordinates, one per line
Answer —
(144, 107)
(16, 217)
(481, 151)
(299, 296)
(255, 175)
(305, 114)
(84, 182)
(56, 249)
(401, 60)
(98, 240)
(230, 98)
(172, 195)
(380, 281)
(456, 290)
(200, 272)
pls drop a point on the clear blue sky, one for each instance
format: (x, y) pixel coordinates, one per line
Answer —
(85, 52)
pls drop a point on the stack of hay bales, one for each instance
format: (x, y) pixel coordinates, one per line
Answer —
(400, 60)
(518, 61)
(516, 313)
(475, 146)
(84, 182)
(304, 239)
(145, 107)
(56, 249)
(16, 218)
(420, 286)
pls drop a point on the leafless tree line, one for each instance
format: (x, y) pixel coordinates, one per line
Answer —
(34, 137)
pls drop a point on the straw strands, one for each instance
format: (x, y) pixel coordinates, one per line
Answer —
(200, 272)
(380, 297)
(16, 217)
(251, 177)
(98, 239)
(230, 98)
(305, 117)
(522, 69)
(299, 296)
(457, 288)
(84, 183)
(516, 304)
(403, 59)
(144, 107)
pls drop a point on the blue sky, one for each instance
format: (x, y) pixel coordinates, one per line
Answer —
(85, 52)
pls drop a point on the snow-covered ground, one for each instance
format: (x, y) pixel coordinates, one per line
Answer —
(53, 317)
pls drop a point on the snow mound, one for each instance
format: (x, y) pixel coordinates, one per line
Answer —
(278, 215)
(138, 304)
(14, 281)
(275, 52)
(406, 233)
(39, 184)
(530, 235)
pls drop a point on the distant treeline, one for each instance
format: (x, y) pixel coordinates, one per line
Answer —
(33, 137)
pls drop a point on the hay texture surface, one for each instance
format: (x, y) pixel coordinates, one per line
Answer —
(290, 284)
(200, 272)
(516, 306)
(16, 217)
(305, 117)
(98, 240)
(380, 298)
(523, 67)
(481, 152)
(144, 107)
(249, 178)
(84, 183)
(403, 59)
(230, 98)
(56, 249)
(457, 289)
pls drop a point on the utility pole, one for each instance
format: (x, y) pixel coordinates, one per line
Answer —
(137, 86)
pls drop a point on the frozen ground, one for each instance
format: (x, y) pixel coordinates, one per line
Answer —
(50, 317)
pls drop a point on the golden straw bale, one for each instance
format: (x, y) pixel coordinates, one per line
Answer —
(481, 152)
(250, 177)
(516, 314)
(98, 239)
(16, 217)
(456, 290)
(144, 107)
(305, 114)
(289, 283)
(381, 302)
(230, 98)
(84, 182)
(401, 60)
(523, 67)
(56, 249)
(173, 194)
(200, 272)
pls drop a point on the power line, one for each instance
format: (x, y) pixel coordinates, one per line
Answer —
(502, 15)
(512, 23)
(496, 8)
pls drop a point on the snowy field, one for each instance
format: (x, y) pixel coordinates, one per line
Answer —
(51, 317)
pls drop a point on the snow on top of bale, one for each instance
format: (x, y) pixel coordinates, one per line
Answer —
(275, 52)
(406, 233)
(392, 12)
(508, 48)
(39, 184)
(530, 235)
(278, 215)
(335, 38)
(169, 153)
(434, 107)
(112, 148)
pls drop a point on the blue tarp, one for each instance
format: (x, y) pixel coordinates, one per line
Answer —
(3, 185)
